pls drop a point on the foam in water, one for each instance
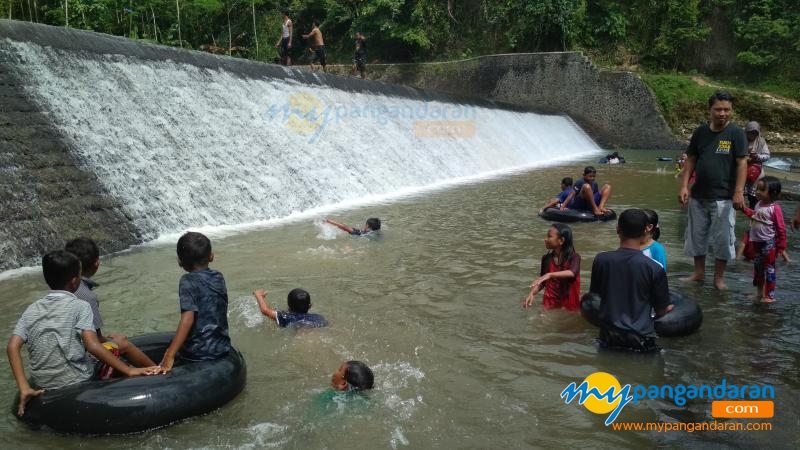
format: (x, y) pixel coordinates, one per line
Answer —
(245, 310)
(185, 147)
(326, 231)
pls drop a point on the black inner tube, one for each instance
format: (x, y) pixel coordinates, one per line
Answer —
(575, 215)
(128, 405)
(685, 318)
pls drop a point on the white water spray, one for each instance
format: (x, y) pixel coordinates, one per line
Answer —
(186, 147)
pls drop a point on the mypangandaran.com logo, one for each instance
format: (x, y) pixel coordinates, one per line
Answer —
(601, 393)
(305, 114)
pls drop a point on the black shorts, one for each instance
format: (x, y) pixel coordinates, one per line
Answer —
(284, 48)
(319, 55)
(360, 61)
(624, 340)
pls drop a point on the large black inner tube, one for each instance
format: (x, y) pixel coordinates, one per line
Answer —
(575, 215)
(128, 405)
(684, 319)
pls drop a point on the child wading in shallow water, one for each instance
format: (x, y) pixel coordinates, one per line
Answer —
(650, 245)
(560, 276)
(767, 238)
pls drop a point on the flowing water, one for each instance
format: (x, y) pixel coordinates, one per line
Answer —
(181, 146)
(433, 306)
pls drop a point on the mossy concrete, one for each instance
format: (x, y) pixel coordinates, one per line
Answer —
(46, 195)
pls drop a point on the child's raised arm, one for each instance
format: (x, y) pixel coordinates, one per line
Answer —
(15, 360)
(261, 296)
(340, 226)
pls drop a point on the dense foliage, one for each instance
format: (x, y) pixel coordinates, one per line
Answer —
(662, 34)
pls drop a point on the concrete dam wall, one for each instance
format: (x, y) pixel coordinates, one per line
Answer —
(615, 108)
(126, 142)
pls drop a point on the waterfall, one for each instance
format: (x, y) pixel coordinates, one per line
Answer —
(184, 146)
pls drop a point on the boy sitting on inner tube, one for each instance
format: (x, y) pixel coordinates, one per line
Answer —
(202, 333)
(558, 200)
(629, 285)
(58, 331)
(299, 302)
(86, 250)
(586, 196)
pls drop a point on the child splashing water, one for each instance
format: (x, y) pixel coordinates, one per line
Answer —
(767, 238)
(560, 276)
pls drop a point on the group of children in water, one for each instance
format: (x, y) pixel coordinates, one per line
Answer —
(65, 343)
(638, 229)
(584, 195)
(631, 281)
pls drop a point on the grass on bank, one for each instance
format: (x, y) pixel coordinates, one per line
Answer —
(682, 100)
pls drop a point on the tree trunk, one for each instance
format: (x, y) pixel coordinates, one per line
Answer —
(83, 17)
(30, 12)
(155, 29)
(255, 33)
(66, 12)
(178, 5)
(36, 11)
(230, 44)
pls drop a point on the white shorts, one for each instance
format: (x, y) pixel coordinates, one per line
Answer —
(711, 221)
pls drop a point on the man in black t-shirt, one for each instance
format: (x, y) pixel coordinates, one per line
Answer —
(717, 154)
(629, 285)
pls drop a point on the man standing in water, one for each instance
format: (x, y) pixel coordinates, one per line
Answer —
(284, 44)
(717, 154)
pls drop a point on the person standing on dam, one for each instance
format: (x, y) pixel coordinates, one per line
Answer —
(284, 44)
(317, 45)
(717, 155)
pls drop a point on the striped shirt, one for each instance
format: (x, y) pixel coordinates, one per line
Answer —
(51, 328)
(85, 293)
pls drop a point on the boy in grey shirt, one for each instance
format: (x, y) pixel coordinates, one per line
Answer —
(89, 254)
(58, 331)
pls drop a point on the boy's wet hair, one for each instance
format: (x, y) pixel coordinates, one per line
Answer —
(632, 223)
(286, 12)
(773, 187)
(358, 376)
(720, 96)
(59, 267)
(299, 300)
(86, 250)
(566, 181)
(194, 249)
(374, 223)
(589, 169)
(652, 219)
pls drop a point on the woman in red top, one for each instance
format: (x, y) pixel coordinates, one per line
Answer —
(560, 276)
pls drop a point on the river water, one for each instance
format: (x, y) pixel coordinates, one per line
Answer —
(433, 306)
